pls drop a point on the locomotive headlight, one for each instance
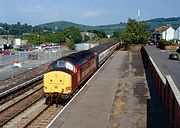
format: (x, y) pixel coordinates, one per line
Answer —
(68, 88)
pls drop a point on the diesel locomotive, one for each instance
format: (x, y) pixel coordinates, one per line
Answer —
(66, 74)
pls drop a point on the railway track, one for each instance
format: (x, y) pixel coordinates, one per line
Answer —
(38, 115)
(21, 78)
(14, 87)
(44, 117)
(17, 107)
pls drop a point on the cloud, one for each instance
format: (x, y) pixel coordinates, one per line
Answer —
(90, 14)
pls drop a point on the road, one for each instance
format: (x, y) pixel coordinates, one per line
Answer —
(166, 66)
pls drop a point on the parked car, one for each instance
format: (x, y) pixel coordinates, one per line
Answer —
(33, 56)
(178, 50)
(174, 56)
(3, 52)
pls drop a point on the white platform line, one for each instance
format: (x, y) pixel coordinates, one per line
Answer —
(79, 92)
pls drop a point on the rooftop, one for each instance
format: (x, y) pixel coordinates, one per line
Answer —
(162, 29)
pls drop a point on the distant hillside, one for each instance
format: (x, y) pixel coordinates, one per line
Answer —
(62, 25)
(155, 23)
(58, 25)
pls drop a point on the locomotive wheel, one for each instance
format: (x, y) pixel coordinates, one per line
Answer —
(49, 100)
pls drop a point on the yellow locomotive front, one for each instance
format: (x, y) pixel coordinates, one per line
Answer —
(57, 86)
(57, 82)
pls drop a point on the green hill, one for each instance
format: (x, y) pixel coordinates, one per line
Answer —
(153, 23)
(58, 25)
(62, 25)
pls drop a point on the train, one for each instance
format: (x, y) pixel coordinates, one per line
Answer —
(67, 74)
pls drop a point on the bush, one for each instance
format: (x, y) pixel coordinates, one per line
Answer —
(164, 43)
(70, 44)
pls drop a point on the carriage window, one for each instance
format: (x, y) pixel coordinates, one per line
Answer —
(61, 64)
(69, 66)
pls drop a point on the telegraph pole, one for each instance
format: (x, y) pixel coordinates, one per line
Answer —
(139, 14)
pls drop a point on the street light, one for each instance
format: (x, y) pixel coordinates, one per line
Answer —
(38, 37)
(7, 32)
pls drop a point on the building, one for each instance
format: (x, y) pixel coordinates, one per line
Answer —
(91, 35)
(8, 42)
(84, 46)
(17, 42)
(5, 44)
(177, 34)
(165, 32)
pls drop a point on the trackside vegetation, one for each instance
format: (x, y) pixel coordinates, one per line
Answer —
(134, 33)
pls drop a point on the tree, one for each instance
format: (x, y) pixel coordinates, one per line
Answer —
(86, 38)
(70, 44)
(33, 39)
(117, 35)
(61, 36)
(100, 34)
(135, 32)
(73, 34)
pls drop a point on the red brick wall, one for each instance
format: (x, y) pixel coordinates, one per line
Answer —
(171, 47)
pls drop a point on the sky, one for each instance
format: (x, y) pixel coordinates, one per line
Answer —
(87, 12)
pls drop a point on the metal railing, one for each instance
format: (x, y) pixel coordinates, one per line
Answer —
(43, 55)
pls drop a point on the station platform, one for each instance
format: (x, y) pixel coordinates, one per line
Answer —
(116, 96)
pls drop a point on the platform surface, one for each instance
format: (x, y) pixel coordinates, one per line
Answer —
(115, 97)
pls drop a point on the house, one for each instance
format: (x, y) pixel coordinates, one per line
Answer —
(6, 41)
(165, 32)
(177, 34)
(91, 35)
(5, 44)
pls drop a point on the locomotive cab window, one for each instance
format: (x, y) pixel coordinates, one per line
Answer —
(52, 66)
(69, 66)
(61, 64)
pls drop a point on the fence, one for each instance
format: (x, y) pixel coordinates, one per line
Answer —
(43, 55)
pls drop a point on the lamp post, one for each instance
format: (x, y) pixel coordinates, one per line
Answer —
(38, 38)
(7, 37)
